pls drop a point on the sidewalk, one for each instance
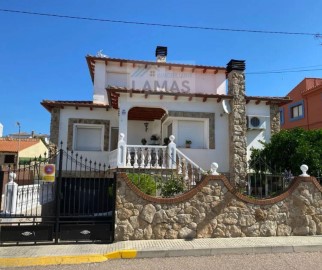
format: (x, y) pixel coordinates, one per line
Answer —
(87, 253)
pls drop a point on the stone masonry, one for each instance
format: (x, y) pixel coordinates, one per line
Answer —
(215, 209)
(275, 118)
(54, 125)
(237, 123)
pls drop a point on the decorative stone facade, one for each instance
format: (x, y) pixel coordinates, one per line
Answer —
(237, 124)
(215, 209)
(210, 116)
(275, 118)
(72, 121)
(54, 125)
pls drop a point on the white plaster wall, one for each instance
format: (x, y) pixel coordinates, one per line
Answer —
(255, 136)
(136, 132)
(154, 78)
(208, 157)
(221, 152)
(99, 95)
(86, 113)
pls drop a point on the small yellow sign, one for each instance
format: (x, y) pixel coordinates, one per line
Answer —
(49, 172)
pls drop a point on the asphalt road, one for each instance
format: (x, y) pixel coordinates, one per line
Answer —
(300, 261)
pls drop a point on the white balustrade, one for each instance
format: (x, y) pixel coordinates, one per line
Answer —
(19, 199)
(188, 168)
(147, 156)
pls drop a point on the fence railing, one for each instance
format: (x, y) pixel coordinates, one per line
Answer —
(189, 169)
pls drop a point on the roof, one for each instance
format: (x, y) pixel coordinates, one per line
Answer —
(91, 63)
(312, 90)
(11, 145)
(50, 104)
(114, 93)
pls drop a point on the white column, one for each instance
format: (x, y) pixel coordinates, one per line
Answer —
(123, 121)
(121, 151)
(172, 151)
(11, 190)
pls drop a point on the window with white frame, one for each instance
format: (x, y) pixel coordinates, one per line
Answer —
(88, 137)
(296, 110)
(194, 131)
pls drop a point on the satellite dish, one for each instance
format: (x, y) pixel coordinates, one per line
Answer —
(226, 106)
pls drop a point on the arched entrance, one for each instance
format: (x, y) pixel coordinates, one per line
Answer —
(144, 125)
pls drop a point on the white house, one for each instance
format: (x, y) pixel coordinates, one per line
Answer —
(152, 100)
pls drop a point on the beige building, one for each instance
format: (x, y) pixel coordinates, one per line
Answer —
(12, 150)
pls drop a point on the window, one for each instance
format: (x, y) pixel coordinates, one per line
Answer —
(193, 131)
(9, 159)
(88, 137)
(281, 116)
(296, 110)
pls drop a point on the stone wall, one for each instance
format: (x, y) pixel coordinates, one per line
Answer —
(275, 118)
(215, 209)
(237, 128)
(54, 125)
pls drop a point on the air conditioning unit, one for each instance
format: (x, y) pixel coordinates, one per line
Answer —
(256, 122)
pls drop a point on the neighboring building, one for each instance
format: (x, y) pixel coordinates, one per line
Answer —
(25, 149)
(305, 110)
(26, 135)
(144, 98)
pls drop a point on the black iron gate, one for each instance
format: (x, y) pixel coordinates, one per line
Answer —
(61, 199)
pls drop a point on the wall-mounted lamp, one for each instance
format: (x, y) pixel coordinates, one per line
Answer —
(146, 126)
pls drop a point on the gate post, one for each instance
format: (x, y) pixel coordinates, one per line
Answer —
(1, 186)
(10, 198)
(58, 195)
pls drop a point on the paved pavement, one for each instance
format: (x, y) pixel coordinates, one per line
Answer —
(86, 253)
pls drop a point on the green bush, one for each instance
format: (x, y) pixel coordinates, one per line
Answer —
(144, 182)
(171, 187)
(289, 149)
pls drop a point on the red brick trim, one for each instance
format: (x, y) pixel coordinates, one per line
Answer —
(188, 195)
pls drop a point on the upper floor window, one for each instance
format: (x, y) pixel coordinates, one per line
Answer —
(296, 110)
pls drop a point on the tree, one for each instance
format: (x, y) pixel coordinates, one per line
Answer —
(289, 149)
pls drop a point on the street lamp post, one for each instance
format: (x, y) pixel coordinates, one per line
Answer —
(18, 124)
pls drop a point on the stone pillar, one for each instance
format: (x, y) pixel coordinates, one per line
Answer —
(237, 123)
(54, 125)
(275, 118)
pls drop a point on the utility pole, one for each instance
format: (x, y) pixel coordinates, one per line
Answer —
(18, 124)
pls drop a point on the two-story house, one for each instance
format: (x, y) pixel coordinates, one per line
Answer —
(305, 109)
(148, 101)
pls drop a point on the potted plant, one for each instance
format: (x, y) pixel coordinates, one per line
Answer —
(143, 141)
(166, 141)
(154, 139)
(188, 143)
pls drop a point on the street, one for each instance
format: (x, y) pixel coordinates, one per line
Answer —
(300, 261)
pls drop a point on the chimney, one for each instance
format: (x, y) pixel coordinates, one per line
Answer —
(161, 54)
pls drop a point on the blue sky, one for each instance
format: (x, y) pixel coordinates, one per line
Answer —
(44, 57)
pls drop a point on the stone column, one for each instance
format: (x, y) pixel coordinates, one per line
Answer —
(237, 123)
(54, 125)
(275, 118)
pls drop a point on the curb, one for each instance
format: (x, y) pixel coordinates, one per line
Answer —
(76, 259)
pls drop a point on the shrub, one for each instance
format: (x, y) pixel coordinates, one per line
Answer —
(171, 187)
(144, 182)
